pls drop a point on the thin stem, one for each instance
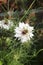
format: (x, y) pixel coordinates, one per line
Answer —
(36, 53)
(39, 51)
(27, 10)
(3, 8)
(8, 5)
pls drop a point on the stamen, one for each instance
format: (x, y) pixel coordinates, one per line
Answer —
(24, 31)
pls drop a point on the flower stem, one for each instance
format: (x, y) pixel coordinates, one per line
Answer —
(27, 10)
(39, 51)
(36, 53)
(3, 8)
(8, 5)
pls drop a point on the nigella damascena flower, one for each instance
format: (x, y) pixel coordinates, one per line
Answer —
(24, 32)
(6, 24)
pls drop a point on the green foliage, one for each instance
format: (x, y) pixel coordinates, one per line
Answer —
(12, 51)
(1, 63)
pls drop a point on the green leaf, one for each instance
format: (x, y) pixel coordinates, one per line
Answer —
(15, 63)
(1, 63)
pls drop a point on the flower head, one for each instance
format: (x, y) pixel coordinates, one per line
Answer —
(6, 24)
(24, 32)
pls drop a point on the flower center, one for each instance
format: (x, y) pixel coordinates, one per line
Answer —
(24, 32)
(6, 23)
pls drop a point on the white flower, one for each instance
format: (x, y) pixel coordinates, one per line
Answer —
(24, 32)
(6, 24)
